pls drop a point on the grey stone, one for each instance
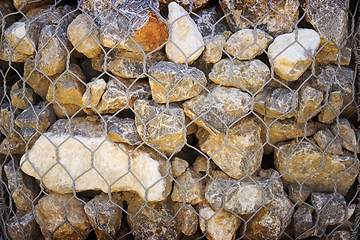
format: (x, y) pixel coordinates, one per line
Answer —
(344, 131)
(328, 143)
(214, 49)
(340, 235)
(303, 221)
(186, 217)
(175, 82)
(21, 96)
(309, 103)
(249, 76)
(6, 9)
(238, 153)
(240, 12)
(104, 215)
(160, 126)
(178, 166)
(121, 130)
(8, 54)
(298, 193)
(23, 227)
(282, 103)
(209, 20)
(218, 108)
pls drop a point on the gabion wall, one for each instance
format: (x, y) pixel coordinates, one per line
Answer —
(160, 119)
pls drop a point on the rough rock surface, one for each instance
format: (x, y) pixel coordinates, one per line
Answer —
(160, 126)
(188, 5)
(175, 82)
(282, 103)
(24, 5)
(93, 93)
(178, 166)
(290, 58)
(298, 194)
(22, 97)
(210, 19)
(186, 43)
(309, 103)
(22, 38)
(303, 221)
(332, 108)
(327, 142)
(23, 227)
(218, 102)
(8, 54)
(187, 218)
(121, 130)
(240, 152)
(344, 130)
(50, 212)
(304, 159)
(244, 46)
(109, 160)
(247, 75)
(189, 188)
(214, 49)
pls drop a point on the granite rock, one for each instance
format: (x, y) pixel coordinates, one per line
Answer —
(328, 143)
(191, 6)
(121, 130)
(303, 222)
(186, 217)
(209, 20)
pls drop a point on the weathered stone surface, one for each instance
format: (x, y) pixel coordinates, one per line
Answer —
(282, 103)
(214, 49)
(202, 164)
(240, 12)
(309, 103)
(209, 20)
(93, 93)
(160, 126)
(186, 217)
(298, 194)
(104, 215)
(23, 189)
(188, 5)
(178, 166)
(186, 43)
(24, 5)
(68, 88)
(78, 32)
(22, 97)
(240, 151)
(23, 227)
(121, 130)
(243, 45)
(191, 127)
(246, 75)
(22, 37)
(50, 215)
(328, 143)
(344, 130)
(8, 115)
(290, 58)
(121, 93)
(8, 54)
(220, 225)
(176, 80)
(304, 159)
(188, 188)
(67, 110)
(109, 160)
(333, 107)
(218, 107)
(303, 221)
(340, 235)
(330, 53)
(6, 8)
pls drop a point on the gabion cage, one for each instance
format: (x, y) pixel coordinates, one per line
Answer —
(160, 119)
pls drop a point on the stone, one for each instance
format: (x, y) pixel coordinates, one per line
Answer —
(8, 115)
(209, 20)
(67, 110)
(68, 88)
(332, 108)
(22, 37)
(327, 142)
(22, 97)
(24, 5)
(23, 227)
(84, 36)
(191, 127)
(186, 43)
(186, 217)
(93, 93)
(243, 45)
(218, 108)
(202, 165)
(191, 6)
(275, 18)
(298, 193)
(303, 221)
(178, 166)
(53, 50)
(175, 82)
(282, 103)
(159, 126)
(62, 216)
(249, 76)
(330, 53)
(126, 64)
(344, 131)
(6, 8)
(340, 235)
(289, 57)
(104, 215)
(121, 130)
(13, 145)
(310, 101)
(189, 188)
(122, 94)
(220, 225)
(23, 189)
(238, 153)
(8, 54)
(305, 161)
(214, 49)
(111, 162)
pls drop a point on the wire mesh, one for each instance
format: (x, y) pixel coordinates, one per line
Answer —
(159, 119)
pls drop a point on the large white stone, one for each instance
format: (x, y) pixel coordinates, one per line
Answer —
(291, 59)
(185, 39)
(111, 161)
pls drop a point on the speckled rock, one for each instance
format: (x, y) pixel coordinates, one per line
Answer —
(243, 45)
(23, 37)
(240, 12)
(344, 130)
(8, 115)
(24, 5)
(178, 166)
(186, 43)
(340, 235)
(210, 19)
(332, 108)
(309, 103)
(23, 227)
(218, 102)
(50, 215)
(282, 103)
(186, 217)
(7, 54)
(121, 130)
(175, 81)
(247, 75)
(21, 96)
(160, 126)
(303, 222)
(188, 188)
(242, 153)
(328, 142)
(214, 49)
(298, 193)
(291, 157)
(148, 167)
(290, 58)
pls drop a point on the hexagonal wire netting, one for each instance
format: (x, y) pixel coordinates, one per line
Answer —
(229, 119)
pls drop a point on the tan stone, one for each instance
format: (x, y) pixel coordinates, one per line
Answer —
(24, 5)
(22, 38)
(8, 54)
(178, 166)
(94, 92)
(332, 108)
(214, 49)
(187, 218)
(309, 103)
